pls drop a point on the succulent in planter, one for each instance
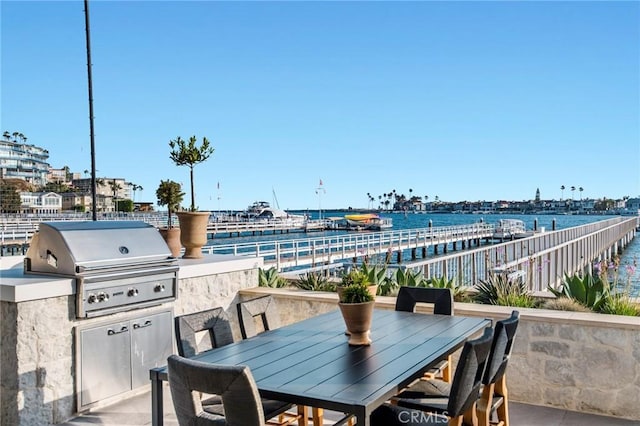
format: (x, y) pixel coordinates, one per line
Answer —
(356, 293)
(354, 276)
(356, 306)
(357, 277)
(169, 193)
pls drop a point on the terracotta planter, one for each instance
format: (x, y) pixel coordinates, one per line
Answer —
(172, 238)
(357, 317)
(193, 232)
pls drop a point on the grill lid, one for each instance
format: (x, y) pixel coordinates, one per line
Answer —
(72, 248)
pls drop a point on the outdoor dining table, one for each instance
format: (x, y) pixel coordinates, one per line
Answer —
(310, 362)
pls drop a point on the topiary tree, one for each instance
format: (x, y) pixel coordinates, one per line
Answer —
(170, 194)
(185, 153)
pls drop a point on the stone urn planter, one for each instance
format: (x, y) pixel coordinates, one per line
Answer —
(357, 318)
(356, 305)
(172, 238)
(193, 233)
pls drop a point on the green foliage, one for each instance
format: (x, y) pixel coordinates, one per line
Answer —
(125, 205)
(620, 304)
(314, 281)
(590, 291)
(375, 274)
(388, 287)
(500, 290)
(185, 153)
(565, 304)
(402, 277)
(169, 193)
(57, 187)
(271, 278)
(407, 277)
(356, 293)
(459, 292)
(355, 276)
(9, 198)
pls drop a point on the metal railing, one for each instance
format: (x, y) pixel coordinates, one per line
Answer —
(541, 260)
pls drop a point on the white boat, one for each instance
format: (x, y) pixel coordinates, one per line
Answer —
(507, 229)
(262, 210)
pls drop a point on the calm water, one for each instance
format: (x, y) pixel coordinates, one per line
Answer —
(629, 259)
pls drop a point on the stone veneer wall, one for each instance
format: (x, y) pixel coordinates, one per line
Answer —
(37, 361)
(576, 361)
(38, 345)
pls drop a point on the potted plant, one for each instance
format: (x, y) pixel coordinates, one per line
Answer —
(356, 306)
(193, 224)
(356, 276)
(169, 193)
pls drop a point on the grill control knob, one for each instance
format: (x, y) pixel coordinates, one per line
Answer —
(133, 292)
(158, 288)
(103, 297)
(91, 298)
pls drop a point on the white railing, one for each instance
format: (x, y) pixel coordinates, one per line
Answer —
(540, 260)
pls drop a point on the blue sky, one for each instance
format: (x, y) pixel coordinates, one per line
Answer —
(459, 100)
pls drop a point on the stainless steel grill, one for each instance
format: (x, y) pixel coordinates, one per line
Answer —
(118, 265)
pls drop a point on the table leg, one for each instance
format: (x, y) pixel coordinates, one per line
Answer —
(156, 402)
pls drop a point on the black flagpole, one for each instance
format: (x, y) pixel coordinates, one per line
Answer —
(91, 133)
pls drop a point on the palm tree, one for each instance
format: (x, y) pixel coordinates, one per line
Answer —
(115, 187)
(6, 135)
(134, 187)
(562, 193)
(581, 189)
(573, 189)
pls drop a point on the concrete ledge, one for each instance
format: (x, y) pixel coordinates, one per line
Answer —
(16, 286)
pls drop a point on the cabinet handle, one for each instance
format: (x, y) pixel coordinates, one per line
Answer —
(111, 331)
(147, 323)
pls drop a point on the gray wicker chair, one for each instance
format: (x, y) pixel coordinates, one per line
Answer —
(216, 322)
(233, 383)
(465, 390)
(434, 394)
(442, 300)
(259, 315)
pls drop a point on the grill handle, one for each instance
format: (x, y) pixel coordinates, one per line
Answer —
(112, 332)
(147, 323)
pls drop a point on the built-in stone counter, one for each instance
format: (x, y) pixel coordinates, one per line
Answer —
(38, 323)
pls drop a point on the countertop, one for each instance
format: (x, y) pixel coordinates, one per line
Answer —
(16, 286)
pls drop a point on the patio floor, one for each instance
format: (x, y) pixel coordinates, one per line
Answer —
(136, 411)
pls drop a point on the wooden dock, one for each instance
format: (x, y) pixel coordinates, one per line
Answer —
(541, 260)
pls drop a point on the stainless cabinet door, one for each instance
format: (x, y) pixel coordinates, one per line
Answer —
(105, 368)
(151, 345)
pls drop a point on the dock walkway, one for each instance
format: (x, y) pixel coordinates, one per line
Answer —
(541, 260)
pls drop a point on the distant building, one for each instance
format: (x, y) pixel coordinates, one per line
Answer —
(40, 202)
(22, 161)
(105, 186)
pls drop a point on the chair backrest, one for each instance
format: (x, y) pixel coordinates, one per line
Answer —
(233, 383)
(503, 336)
(442, 299)
(189, 328)
(258, 315)
(467, 380)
